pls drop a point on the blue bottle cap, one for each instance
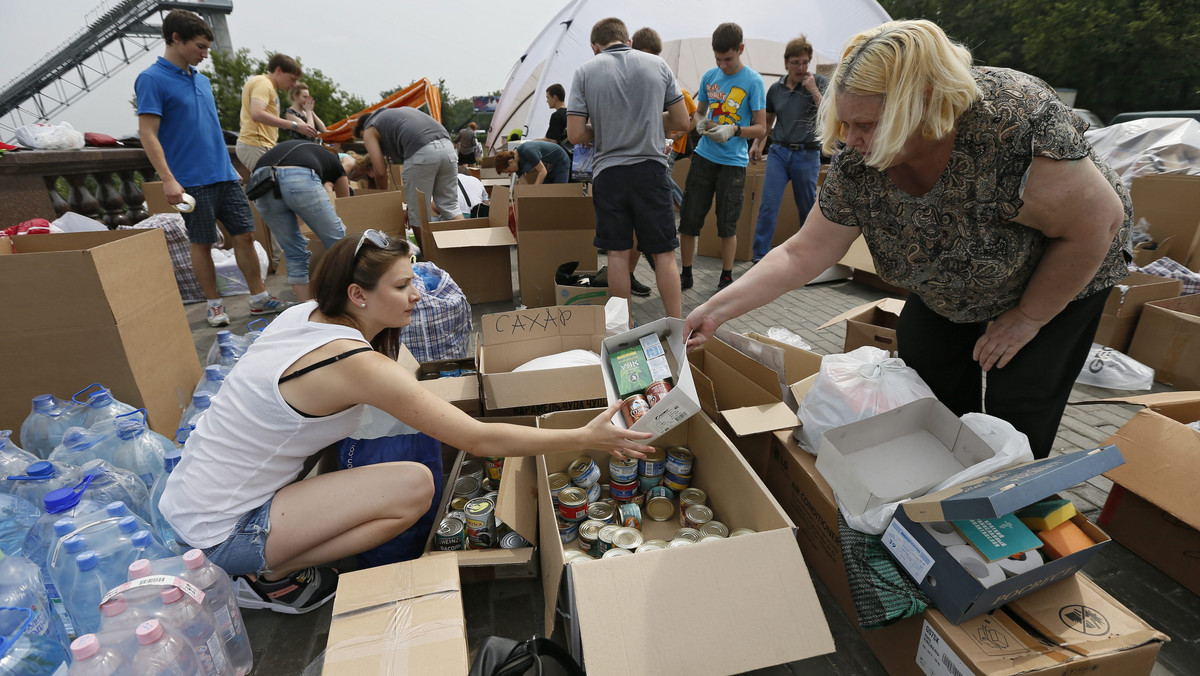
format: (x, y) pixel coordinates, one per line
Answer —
(143, 539)
(42, 469)
(100, 399)
(128, 524)
(116, 508)
(63, 526)
(128, 428)
(224, 336)
(87, 560)
(78, 439)
(43, 403)
(213, 372)
(201, 400)
(74, 544)
(62, 499)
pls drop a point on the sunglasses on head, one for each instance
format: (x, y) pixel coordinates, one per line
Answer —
(376, 237)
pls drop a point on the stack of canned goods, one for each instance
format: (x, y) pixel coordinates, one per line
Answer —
(471, 522)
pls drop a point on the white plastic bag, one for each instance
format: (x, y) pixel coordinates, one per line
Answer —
(61, 136)
(785, 336)
(616, 316)
(1011, 447)
(1106, 367)
(230, 281)
(853, 386)
(561, 360)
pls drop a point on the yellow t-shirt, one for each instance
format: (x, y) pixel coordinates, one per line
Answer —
(680, 145)
(253, 133)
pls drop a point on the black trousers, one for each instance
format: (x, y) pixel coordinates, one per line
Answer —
(1030, 392)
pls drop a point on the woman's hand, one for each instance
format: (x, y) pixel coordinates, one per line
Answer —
(699, 326)
(1005, 336)
(601, 434)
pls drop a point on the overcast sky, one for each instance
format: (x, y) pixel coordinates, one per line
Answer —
(365, 46)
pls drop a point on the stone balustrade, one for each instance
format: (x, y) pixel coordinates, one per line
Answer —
(28, 185)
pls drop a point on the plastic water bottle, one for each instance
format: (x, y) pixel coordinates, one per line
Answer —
(137, 451)
(93, 659)
(191, 415)
(145, 546)
(21, 587)
(81, 445)
(197, 626)
(17, 516)
(109, 484)
(40, 478)
(210, 382)
(161, 526)
(101, 405)
(13, 460)
(220, 599)
(61, 507)
(228, 356)
(48, 418)
(119, 619)
(82, 598)
(162, 653)
(25, 653)
(234, 347)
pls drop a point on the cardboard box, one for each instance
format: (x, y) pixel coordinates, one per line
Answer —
(90, 307)
(510, 339)
(555, 224)
(709, 244)
(461, 390)
(1170, 203)
(898, 454)
(957, 593)
(994, 643)
(1125, 303)
(871, 324)
(403, 618)
(1167, 339)
(750, 596)
(474, 251)
(359, 213)
(580, 295)
(677, 405)
(1154, 508)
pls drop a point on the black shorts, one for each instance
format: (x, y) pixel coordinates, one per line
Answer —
(466, 158)
(706, 178)
(634, 199)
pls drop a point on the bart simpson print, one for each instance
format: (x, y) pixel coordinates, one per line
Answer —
(725, 111)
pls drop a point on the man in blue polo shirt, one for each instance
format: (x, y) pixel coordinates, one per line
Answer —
(178, 126)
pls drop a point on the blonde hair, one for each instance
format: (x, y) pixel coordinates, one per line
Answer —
(923, 77)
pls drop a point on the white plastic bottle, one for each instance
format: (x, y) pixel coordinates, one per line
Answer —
(162, 653)
(93, 659)
(219, 598)
(197, 626)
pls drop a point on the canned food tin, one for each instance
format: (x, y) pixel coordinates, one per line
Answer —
(490, 486)
(467, 487)
(714, 528)
(494, 468)
(675, 482)
(741, 531)
(661, 492)
(630, 515)
(710, 538)
(680, 461)
(481, 523)
(601, 511)
(687, 498)
(615, 552)
(572, 504)
(687, 534)
(654, 464)
(623, 470)
(638, 499)
(627, 538)
(651, 545)
(588, 532)
(513, 540)
(659, 508)
(458, 514)
(697, 515)
(656, 390)
(680, 543)
(457, 505)
(583, 471)
(558, 481)
(604, 541)
(451, 535)
(567, 530)
(623, 492)
(633, 408)
(449, 372)
(472, 468)
(594, 492)
(645, 483)
(573, 555)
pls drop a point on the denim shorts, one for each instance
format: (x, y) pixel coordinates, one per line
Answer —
(244, 552)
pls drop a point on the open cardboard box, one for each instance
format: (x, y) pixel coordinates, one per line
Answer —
(750, 595)
(1167, 339)
(1124, 306)
(957, 593)
(992, 644)
(1154, 508)
(510, 339)
(402, 618)
(677, 405)
(461, 390)
(555, 224)
(1170, 203)
(871, 324)
(474, 251)
(565, 294)
(88, 307)
(379, 210)
(898, 454)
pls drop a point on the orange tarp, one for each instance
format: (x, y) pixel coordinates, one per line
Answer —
(420, 92)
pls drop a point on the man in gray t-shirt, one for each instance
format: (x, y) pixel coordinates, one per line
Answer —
(625, 92)
(414, 139)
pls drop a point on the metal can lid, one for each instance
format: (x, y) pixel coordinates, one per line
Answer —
(600, 511)
(580, 466)
(693, 496)
(590, 530)
(706, 538)
(457, 504)
(479, 507)
(627, 538)
(681, 453)
(572, 555)
(470, 468)
(651, 546)
(677, 542)
(741, 531)
(558, 481)
(457, 514)
(657, 455)
(572, 496)
(613, 553)
(659, 508)
(623, 462)
(607, 532)
(687, 534)
(656, 542)
(450, 527)
(466, 486)
(699, 513)
(714, 528)
(513, 540)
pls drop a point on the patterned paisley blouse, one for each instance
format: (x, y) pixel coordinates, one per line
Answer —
(956, 246)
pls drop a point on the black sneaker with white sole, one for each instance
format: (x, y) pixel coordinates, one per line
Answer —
(637, 288)
(298, 593)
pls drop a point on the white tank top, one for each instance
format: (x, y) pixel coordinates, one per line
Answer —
(250, 443)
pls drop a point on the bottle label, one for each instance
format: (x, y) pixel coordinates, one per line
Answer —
(225, 624)
(217, 654)
(156, 581)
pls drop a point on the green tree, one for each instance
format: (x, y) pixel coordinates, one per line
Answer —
(332, 103)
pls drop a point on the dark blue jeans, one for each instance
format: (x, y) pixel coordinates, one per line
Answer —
(801, 167)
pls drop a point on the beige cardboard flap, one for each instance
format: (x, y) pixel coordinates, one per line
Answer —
(1162, 461)
(472, 237)
(800, 389)
(1076, 613)
(768, 609)
(890, 305)
(762, 418)
(517, 504)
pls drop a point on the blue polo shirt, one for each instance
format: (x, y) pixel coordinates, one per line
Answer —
(188, 129)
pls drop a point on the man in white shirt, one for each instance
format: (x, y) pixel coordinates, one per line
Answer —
(471, 193)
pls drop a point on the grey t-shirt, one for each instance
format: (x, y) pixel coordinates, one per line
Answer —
(624, 92)
(404, 131)
(794, 110)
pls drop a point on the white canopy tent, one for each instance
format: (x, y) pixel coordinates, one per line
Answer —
(686, 29)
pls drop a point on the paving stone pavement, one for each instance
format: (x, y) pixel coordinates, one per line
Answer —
(287, 644)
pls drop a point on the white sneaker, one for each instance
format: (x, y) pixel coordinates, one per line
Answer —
(217, 316)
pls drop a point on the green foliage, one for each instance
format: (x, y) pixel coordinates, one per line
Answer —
(1121, 55)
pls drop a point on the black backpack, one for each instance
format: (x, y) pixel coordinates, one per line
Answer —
(499, 656)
